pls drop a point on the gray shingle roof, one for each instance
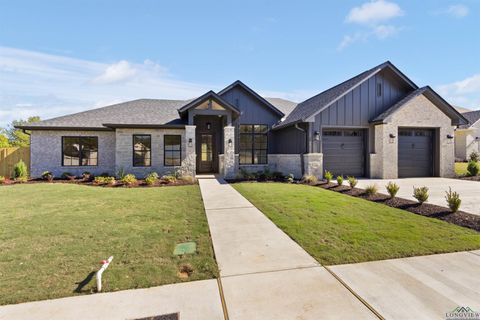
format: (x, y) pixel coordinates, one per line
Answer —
(310, 106)
(136, 112)
(286, 106)
(472, 117)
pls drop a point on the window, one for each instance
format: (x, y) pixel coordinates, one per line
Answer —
(253, 144)
(379, 89)
(172, 150)
(79, 151)
(142, 150)
(332, 133)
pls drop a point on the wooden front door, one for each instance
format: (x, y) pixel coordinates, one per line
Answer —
(206, 153)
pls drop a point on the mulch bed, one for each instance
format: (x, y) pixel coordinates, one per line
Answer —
(459, 218)
(140, 183)
(475, 178)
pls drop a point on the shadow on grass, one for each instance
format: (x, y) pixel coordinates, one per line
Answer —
(84, 282)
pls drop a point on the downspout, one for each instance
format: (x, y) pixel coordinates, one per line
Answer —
(306, 147)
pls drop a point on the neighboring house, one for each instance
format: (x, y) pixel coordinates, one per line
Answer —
(377, 124)
(467, 137)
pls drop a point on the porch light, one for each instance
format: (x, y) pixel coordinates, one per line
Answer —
(392, 136)
(449, 136)
(209, 125)
(229, 142)
(190, 142)
(317, 135)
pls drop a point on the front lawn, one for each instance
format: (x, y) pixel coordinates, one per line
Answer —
(461, 168)
(336, 228)
(53, 236)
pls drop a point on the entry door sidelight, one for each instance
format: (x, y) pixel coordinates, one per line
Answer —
(206, 154)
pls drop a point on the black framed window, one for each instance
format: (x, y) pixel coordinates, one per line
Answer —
(79, 151)
(142, 150)
(253, 144)
(172, 150)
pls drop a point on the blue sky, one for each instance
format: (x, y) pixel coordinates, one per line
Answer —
(59, 57)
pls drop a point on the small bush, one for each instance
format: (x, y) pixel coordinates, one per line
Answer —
(151, 180)
(153, 175)
(47, 175)
(121, 173)
(104, 180)
(453, 200)
(472, 168)
(129, 179)
(328, 176)
(309, 179)
(352, 182)
(474, 156)
(2, 180)
(169, 179)
(392, 189)
(290, 178)
(340, 180)
(188, 179)
(20, 171)
(421, 194)
(371, 190)
(86, 175)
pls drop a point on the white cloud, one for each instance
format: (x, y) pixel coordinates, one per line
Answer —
(385, 31)
(458, 10)
(464, 92)
(374, 12)
(117, 72)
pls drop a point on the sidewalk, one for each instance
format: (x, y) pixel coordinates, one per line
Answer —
(264, 273)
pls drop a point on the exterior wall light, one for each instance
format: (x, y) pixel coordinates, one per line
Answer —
(209, 125)
(190, 142)
(230, 142)
(449, 136)
(392, 136)
(317, 135)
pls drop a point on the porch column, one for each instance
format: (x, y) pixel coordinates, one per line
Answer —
(229, 152)
(189, 163)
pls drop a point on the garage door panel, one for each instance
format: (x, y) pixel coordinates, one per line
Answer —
(343, 152)
(415, 152)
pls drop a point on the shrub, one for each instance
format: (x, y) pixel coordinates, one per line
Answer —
(121, 173)
(152, 175)
(104, 180)
(290, 178)
(421, 194)
(340, 180)
(453, 200)
(2, 180)
(328, 176)
(169, 179)
(474, 156)
(392, 189)
(472, 168)
(151, 180)
(309, 179)
(20, 171)
(371, 190)
(352, 182)
(129, 179)
(188, 179)
(110, 180)
(86, 175)
(47, 175)
(68, 175)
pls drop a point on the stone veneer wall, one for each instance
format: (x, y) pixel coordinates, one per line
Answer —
(421, 113)
(46, 152)
(313, 164)
(229, 167)
(124, 152)
(284, 163)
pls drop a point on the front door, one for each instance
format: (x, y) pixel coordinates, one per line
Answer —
(206, 153)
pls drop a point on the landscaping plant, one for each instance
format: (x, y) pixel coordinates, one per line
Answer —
(340, 180)
(121, 173)
(47, 175)
(421, 194)
(20, 171)
(472, 168)
(474, 156)
(352, 182)
(169, 179)
(309, 179)
(453, 200)
(188, 179)
(86, 176)
(371, 190)
(129, 180)
(392, 189)
(328, 176)
(2, 179)
(290, 178)
(151, 179)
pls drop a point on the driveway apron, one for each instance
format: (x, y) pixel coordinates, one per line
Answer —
(264, 273)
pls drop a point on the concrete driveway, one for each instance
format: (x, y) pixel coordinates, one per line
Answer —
(469, 190)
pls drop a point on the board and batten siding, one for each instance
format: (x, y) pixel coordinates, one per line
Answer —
(253, 111)
(359, 106)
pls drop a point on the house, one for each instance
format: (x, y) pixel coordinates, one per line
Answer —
(377, 124)
(467, 136)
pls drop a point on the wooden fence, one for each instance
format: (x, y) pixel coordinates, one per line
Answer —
(10, 156)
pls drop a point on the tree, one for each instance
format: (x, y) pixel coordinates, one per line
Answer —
(4, 143)
(17, 137)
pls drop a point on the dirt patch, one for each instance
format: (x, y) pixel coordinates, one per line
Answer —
(459, 218)
(185, 271)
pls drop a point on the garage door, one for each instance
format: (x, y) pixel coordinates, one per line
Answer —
(415, 152)
(344, 151)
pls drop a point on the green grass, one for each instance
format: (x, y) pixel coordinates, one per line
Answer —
(461, 168)
(336, 228)
(54, 235)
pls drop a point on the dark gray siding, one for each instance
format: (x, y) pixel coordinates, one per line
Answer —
(252, 111)
(290, 141)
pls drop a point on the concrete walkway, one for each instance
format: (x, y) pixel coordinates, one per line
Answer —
(265, 274)
(469, 190)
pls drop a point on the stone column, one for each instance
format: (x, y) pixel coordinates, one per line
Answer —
(313, 164)
(229, 152)
(189, 163)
